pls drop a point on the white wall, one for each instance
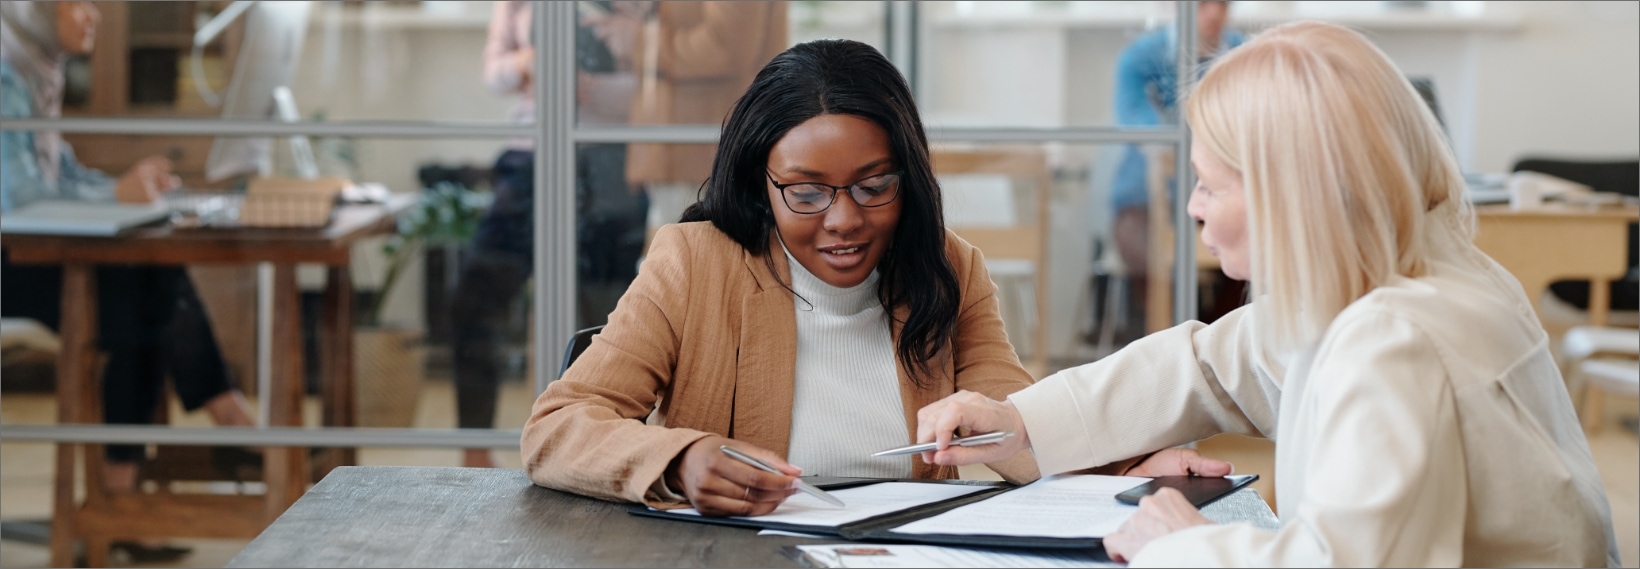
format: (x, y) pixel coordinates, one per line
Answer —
(1567, 84)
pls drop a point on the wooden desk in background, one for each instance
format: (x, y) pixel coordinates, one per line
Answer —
(416, 516)
(1556, 242)
(103, 516)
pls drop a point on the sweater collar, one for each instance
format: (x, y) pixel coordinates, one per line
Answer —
(831, 299)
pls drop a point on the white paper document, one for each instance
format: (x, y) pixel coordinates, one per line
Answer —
(863, 502)
(872, 555)
(1070, 506)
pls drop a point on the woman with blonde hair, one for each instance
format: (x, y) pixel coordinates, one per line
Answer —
(1418, 412)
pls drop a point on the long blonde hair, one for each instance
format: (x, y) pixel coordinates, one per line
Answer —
(1349, 179)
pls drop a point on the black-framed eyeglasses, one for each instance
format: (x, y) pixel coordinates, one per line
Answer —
(815, 197)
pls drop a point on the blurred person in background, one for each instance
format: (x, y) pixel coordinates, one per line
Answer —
(692, 61)
(609, 217)
(1147, 90)
(150, 320)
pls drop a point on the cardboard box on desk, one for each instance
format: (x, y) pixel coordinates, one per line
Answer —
(290, 202)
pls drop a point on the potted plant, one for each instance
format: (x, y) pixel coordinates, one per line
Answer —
(388, 358)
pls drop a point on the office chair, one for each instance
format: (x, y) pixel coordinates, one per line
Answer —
(577, 344)
(1601, 361)
(28, 356)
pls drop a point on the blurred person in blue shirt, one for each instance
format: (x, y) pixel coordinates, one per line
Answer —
(1147, 89)
(609, 229)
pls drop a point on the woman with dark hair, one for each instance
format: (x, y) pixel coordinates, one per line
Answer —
(801, 311)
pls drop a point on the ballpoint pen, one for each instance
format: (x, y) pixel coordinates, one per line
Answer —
(801, 485)
(985, 439)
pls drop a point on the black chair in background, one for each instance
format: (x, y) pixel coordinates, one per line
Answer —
(578, 344)
(1616, 176)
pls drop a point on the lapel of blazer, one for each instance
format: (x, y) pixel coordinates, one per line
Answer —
(913, 398)
(766, 367)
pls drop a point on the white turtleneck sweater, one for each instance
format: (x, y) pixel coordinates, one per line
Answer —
(846, 404)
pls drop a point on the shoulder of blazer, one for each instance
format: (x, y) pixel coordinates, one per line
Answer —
(710, 251)
(963, 256)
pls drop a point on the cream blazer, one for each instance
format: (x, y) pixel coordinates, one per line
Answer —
(704, 342)
(1429, 427)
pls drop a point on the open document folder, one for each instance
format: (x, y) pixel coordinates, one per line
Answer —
(1065, 511)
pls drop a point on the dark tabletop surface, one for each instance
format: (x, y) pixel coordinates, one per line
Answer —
(385, 516)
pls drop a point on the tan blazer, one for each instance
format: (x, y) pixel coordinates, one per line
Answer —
(694, 60)
(703, 343)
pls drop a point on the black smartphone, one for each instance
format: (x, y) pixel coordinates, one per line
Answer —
(1200, 490)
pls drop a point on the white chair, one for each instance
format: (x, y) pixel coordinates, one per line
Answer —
(982, 206)
(1600, 361)
(1108, 291)
(28, 353)
(976, 202)
(1103, 300)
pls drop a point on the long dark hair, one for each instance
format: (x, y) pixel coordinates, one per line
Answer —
(846, 78)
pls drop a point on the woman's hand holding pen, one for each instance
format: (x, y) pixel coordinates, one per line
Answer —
(974, 413)
(718, 485)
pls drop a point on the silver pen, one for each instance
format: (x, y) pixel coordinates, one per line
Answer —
(985, 439)
(801, 485)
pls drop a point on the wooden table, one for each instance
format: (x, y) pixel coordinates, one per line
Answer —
(103, 516)
(1556, 242)
(483, 517)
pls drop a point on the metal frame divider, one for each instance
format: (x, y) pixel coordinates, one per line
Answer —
(555, 182)
(1184, 237)
(901, 29)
